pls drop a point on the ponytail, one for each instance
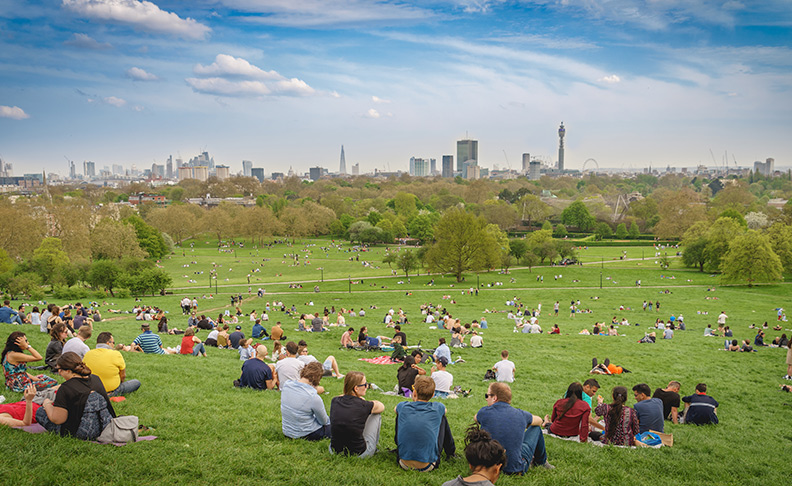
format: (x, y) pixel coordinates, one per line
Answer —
(616, 409)
(481, 450)
(72, 362)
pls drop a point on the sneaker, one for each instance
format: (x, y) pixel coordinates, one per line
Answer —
(547, 465)
(340, 377)
(2, 398)
(786, 377)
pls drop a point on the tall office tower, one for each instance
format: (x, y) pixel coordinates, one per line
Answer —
(342, 169)
(157, 171)
(561, 133)
(421, 167)
(315, 173)
(448, 166)
(169, 167)
(770, 166)
(201, 172)
(432, 166)
(258, 173)
(118, 169)
(72, 170)
(5, 169)
(247, 167)
(356, 169)
(526, 163)
(412, 165)
(534, 171)
(89, 169)
(467, 150)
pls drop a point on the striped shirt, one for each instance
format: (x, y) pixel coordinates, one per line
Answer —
(149, 343)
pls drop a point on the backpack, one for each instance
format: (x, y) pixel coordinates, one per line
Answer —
(120, 429)
(95, 417)
(489, 375)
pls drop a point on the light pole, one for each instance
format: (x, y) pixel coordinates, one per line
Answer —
(322, 270)
(350, 284)
(601, 269)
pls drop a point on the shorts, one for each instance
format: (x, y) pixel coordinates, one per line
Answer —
(327, 365)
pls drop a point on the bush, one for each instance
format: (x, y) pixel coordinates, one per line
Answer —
(123, 294)
(62, 292)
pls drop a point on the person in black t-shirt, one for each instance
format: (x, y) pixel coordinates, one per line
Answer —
(399, 332)
(235, 337)
(407, 373)
(670, 398)
(354, 421)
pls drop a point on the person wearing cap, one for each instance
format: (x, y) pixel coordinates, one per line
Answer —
(148, 342)
(442, 350)
(235, 337)
(443, 380)
(422, 430)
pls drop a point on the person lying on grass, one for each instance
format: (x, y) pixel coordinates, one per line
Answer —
(329, 366)
(20, 414)
(606, 368)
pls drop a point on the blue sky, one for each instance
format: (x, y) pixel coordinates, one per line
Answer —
(286, 82)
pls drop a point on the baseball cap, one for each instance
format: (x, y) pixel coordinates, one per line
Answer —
(443, 360)
(239, 327)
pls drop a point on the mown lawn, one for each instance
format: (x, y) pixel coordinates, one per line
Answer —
(210, 432)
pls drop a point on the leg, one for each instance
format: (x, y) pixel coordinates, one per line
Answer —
(322, 432)
(333, 365)
(445, 441)
(533, 447)
(125, 388)
(371, 434)
(44, 421)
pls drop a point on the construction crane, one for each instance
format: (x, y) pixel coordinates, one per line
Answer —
(507, 160)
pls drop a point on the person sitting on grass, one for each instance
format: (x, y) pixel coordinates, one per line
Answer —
(288, 368)
(406, 375)
(709, 332)
(15, 362)
(149, 342)
(222, 338)
(329, 366)
(759, 339)
(346, 339)
(259, 331)
(109, 365)
(621, 421)
(422, 430)
(505, 369)
(485, 456)
(81, 408)
(303, 414)
(20, 414)
(257, 374)
(649, 410)
(700, 408)
(55, 346)
(191, 344)
(444, 381)
(746, 347)
(398, 350)
(518, 431)
(571, 415)
(354, 421)
(733, 345)
(246, 349)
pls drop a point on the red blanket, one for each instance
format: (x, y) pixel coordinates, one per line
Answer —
(382, 360)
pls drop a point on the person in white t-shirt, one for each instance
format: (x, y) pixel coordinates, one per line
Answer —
(444, 381)
(289, 367)
(504, 369)
(476, 341)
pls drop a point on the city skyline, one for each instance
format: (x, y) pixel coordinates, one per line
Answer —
(125, 82)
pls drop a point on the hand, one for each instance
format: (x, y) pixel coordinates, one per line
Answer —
(30, 393)
(46, 401)
(600, 400)
(22, 342)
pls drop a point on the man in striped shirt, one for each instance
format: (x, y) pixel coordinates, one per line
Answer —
(148, 342)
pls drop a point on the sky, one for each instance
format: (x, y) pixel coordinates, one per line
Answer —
(284, 83)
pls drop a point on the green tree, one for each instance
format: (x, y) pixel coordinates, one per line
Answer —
(694, 253)
(374, 217)
(421, 228)
(518, 248)
(105, 274)
(780, 236)
(735, 215)
(390, 258)
(565, 249)
(577, 214)
(634, 231)
(356, 230)
(407, 262)
(530, 260)
(462, 244)
(547, 225)
(560, 231)
(149, 238)
(621, 231)
(48, 259)
(719, 236)
(6, 263)
(751, 259)
(532, 209)
(603, 231)
(405, 204)
(113, 240)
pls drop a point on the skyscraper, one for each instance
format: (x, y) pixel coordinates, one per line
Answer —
(247, 166)
(169, 167)
(432, 166)
(448, 166)
(467, 150)
(561, 133)
(342, 169)
(258, 173)
(421, 167)
(89, 169)
(356, 169)
(526, 163)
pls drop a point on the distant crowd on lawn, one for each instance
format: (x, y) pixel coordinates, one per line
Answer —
(504, 439)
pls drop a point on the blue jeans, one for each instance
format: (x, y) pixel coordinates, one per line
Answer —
(125, 387)
(198, 349)
(533, 447)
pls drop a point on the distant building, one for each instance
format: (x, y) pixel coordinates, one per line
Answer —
(432, 166)
(342, 166)
(201, 173)
(222, 172)
(6, 169)
(448, 166)
(526, 163)
(766, 168)
(258, 173)
(140, 198)
(356, 169)
(534, 170)
(157, 171)
(184, 172)
(118, 169)
(561, 134)
(472, 172)
(277, 176)
(89, 169)
(247, 168)
(315, 173)
(169, 167)
(421, 168)
(467, 150)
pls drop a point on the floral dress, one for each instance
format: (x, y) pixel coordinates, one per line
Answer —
(17, 379)
(626, 429)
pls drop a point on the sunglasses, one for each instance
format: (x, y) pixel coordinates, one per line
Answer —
(365, 385)
(488, 395)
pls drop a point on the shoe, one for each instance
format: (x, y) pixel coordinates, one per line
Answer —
(547, 465)
(340, 377)
(786, 377)
(593, 363)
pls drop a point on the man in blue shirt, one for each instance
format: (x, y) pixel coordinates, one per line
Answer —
(148, 342)
(422, 429)
(256, 373)
(9, 315)
(303, 412)
(518, 431)
(700, 408)
(259, 330)
(649, 410)
(442, 351)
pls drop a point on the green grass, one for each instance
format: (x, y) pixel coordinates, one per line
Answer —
(210, 432)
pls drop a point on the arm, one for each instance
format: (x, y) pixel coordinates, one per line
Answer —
(584, 426)
(25, 358)
(536, 421)
(122, 375)
(57, 415)
(378, 407)
(30, 393)
(674, 415)
(317, 407)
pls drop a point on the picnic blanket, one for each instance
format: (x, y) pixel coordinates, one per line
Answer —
(668, 440)
(380, 360)
(38, 429)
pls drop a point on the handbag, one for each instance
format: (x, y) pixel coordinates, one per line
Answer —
(122, 429)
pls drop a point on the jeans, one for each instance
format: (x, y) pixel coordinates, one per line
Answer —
(322, 432)
(198, 349)
(125, 387)
(533, 447)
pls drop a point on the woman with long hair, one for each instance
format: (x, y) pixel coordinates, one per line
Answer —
(81, 407)
(621, 421)
(406, 375)
(15, 362)
(570, 414)
(485, 456)
(354, 421)
(191, 344)
(59, 333)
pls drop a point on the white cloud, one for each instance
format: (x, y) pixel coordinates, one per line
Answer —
(141, 15)
(139, 74)
(84, 41)
(293, 87)
(226, 65)
(611, 79)
(117, 102)
(13, 112)
(225, 87)
(372, 113)
(325, 13)
(377, 99)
